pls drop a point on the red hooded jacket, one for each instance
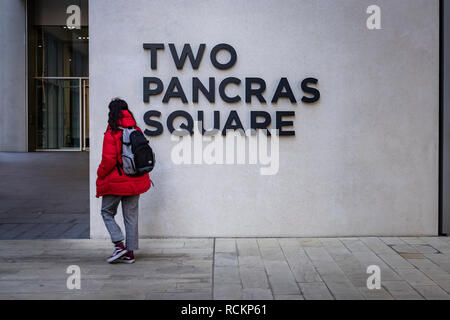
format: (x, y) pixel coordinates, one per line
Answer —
(109, 181)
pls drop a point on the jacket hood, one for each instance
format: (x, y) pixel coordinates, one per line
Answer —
(126, 120)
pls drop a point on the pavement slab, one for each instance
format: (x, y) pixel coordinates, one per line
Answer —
(228, 269)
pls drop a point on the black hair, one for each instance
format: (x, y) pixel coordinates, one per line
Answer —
(115, 112)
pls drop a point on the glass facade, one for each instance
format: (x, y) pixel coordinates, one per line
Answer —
(58, 121)
(58, 58)
(62, 52)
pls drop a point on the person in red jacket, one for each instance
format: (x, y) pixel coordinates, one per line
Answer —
(115, 187)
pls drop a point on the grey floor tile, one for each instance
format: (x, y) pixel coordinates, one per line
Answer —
(432, 292)
(247, 269)
(256, 294)
(289, 297)
(318, 254)
(225, 245)
(289, 242)
(392, 240)
(75, 231)
(310, 242)
(283, 285)
(377, 245)
(414, 277)
(56, 231)
(272, 254)
(247, 247)
(438, 243)
(177, 296)
(401, 290)
(442, 260)
(38, 230)
(252, 278)
(268, 243)
(255, 262)
(425, 248)
(227, 275)
(355, 245)
(301, 266)
(315, 291)
(343, 290)
(5, 227)
(375, 294)
(16, 232)
(228, 292)
(414, 240)
(225, 259)
(395, 261)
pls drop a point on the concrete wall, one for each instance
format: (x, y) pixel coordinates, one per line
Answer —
(13, 99)
(364, 160)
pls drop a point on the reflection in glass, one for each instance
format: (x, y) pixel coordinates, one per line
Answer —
(85, 84)
(61, 52)
(58, 114)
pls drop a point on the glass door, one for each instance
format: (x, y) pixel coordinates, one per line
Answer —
(58, 60)
(58, 103)
(85, 107)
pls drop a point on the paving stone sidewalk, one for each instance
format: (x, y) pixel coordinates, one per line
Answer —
(264, 268)
(44, 195)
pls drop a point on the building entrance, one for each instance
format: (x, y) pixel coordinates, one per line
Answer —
(62, 106)
(58, 68)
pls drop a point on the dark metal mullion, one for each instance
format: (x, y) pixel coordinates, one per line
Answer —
(441, 119)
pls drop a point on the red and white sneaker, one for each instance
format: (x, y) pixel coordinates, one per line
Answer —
(119, 251)
(127, 258)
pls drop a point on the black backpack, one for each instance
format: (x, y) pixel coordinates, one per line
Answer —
(138, 157)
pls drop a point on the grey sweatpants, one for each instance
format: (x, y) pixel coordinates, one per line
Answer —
(130, 209)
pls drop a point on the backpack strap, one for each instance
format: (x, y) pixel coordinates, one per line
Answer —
(126, 135)
(118, 168)
(119, 148)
